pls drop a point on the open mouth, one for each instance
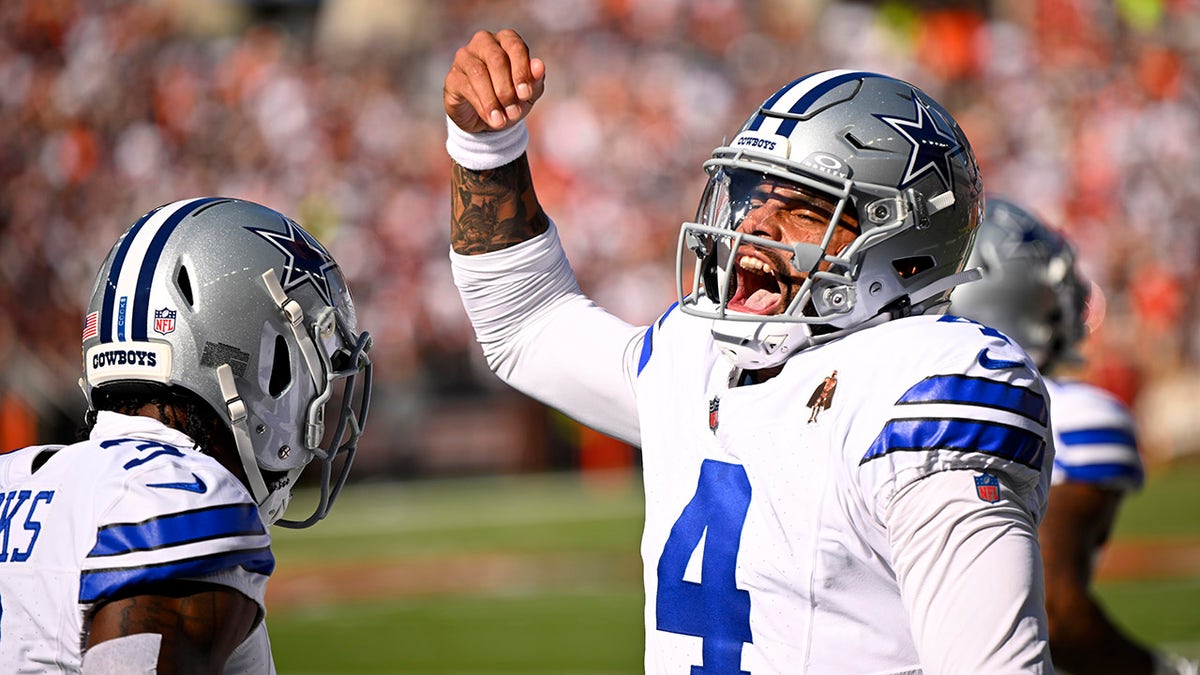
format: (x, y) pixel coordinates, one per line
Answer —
(758, 289)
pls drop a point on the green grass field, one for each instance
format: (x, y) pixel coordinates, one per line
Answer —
(541, 574)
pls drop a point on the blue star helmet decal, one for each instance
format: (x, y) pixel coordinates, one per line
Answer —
(933, 144)
(307, 260)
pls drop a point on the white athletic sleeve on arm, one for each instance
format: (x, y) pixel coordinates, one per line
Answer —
(135, 654)
(544, 337)
(970, 574)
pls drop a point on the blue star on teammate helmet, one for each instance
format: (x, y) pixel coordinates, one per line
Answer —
(307, 260)
(933, 146)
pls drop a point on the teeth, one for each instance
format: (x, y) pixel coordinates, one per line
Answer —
(752, 264)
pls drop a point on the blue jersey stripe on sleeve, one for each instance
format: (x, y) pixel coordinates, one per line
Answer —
(97, 584)
(1001, 440)
(647, 349)
(1099, 436)
(1102, 473)
(230, 520)
(648, 338)
(978, 391)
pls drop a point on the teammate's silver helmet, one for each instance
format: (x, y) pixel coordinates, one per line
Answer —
(1032, 290)
(237, 304)
(881, 150)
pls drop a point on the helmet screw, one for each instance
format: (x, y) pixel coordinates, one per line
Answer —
(260, 429)
(876, 287)
(284, 451)
(880, 212)
(835, 298)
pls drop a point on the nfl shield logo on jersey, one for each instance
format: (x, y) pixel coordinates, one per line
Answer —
(987, 487)
(164, 320)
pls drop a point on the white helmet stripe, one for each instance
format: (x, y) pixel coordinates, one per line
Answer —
(124, 313)
(797, 97)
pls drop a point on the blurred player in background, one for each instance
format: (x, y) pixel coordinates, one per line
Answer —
(217, 333)
(1033, 292)
(837, 477)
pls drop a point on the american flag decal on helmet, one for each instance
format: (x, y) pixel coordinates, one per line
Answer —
(90, 325)
(987, 487)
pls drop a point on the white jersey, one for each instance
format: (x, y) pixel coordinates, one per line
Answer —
(1094, 437)
(135, 504)
(871, 509)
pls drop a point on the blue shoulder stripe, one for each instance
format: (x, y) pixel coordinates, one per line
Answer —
(230, 520)
(1099, 436)
(97, 584)
(979, 391)
(1102, 473)
(959, 435)
(648, 338)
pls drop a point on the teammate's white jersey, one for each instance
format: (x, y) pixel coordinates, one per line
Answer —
(871, 509)
(1094, 436)
(134, 504)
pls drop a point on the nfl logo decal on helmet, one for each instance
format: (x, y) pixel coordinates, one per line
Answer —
(164, 321)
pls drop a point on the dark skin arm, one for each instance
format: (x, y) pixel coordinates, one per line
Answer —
(200, 624)
(1083, 639)
(493, 84)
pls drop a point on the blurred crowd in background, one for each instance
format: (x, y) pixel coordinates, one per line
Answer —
(330, 111)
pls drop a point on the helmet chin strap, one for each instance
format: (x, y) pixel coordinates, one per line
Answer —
(241, 435)
(314, 426)
(272, 504)
(944, 284)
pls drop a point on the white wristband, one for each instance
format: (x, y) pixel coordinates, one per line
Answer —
(486, 150)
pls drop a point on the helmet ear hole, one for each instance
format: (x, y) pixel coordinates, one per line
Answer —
(281, 368)
(910, 267)
(183, 281)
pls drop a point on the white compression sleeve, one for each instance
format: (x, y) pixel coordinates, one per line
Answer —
(127, 655)
(541, 335)
(970, 575)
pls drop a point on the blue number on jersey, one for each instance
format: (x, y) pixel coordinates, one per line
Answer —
(986, 330)
(714, 609)
(142, 446)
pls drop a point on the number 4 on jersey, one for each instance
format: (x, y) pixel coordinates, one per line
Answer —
(713, 609)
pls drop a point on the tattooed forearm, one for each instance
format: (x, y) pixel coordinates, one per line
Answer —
(199, 628)
(493, 209)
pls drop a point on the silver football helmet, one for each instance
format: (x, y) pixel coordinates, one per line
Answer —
(1032, 289)
(882, 152)
(237, 304)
